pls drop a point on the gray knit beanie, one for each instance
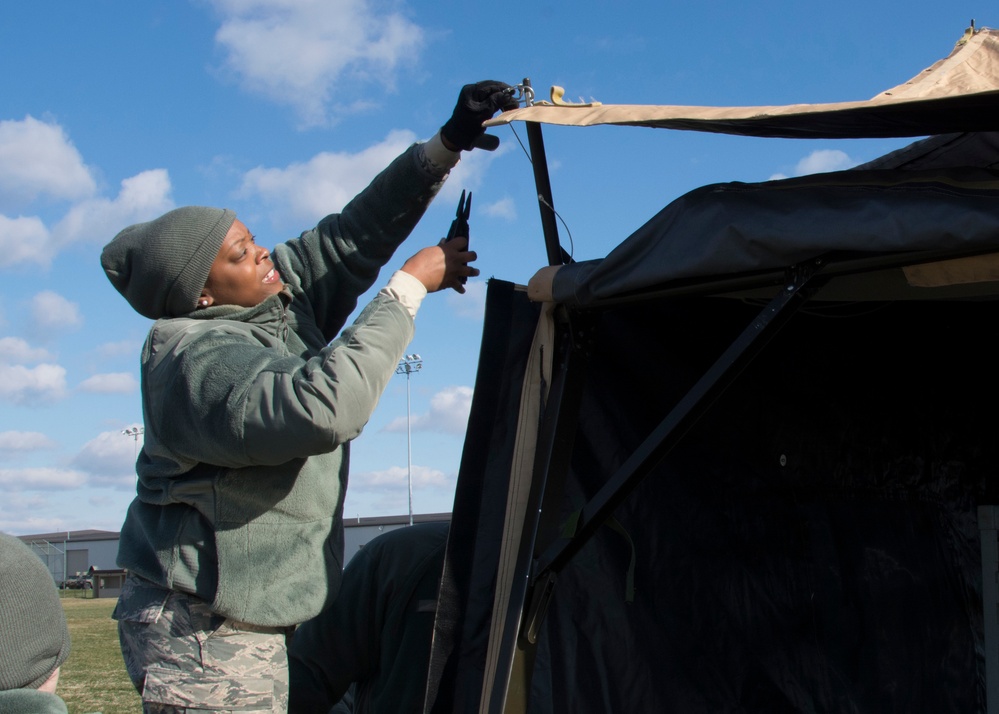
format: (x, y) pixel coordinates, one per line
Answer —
(34, 639)
(161, 266)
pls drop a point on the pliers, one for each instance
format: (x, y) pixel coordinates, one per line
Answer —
(459, 226)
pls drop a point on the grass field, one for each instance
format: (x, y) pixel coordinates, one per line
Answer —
(93, 679)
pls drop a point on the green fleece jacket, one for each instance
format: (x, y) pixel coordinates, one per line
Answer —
(249, 413)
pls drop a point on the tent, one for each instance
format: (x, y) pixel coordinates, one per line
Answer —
(746, 461)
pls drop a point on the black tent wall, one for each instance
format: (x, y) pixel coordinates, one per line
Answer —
(811, 545)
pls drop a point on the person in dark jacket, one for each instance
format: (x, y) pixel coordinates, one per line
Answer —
(34, 638)
(250, 400)
(369, 653)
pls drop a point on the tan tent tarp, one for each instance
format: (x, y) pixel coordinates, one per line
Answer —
(959, 93)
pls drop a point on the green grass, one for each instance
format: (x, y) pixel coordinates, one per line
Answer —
(93, 679)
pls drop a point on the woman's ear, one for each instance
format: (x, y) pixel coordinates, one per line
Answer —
(205, 300)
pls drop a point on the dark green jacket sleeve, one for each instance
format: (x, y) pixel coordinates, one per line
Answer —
(233, 397)
(332, 265)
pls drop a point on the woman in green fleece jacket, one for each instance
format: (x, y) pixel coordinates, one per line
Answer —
(250, 400)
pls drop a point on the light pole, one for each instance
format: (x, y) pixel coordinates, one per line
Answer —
(407, 366)
(135, 432)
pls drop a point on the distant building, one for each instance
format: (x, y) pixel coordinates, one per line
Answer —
(68, 553)
(107, 583)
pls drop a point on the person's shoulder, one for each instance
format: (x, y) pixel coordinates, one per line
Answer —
(216, 322)
(30, 701)
(167, 328)
(167, 333)
(408, 543)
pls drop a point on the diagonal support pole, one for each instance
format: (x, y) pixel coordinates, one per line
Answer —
(802, 281)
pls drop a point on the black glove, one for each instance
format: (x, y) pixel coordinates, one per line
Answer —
(477, 103)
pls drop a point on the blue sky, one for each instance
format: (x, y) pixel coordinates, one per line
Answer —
(114, 112)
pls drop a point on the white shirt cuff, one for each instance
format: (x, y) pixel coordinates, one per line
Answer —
(406, 289)
(440, 158)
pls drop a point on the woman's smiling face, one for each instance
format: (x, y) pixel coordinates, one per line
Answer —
(242, 273)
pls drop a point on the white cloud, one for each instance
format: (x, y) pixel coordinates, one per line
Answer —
(14, 350)
(308, 191)
(449, 410)
(503, 208)
(37, 159)
(27, 239)
(51, 311)
(120, 348)
(111, 383)
(109, 458)
(24, 441)
(51, 510)
(142, 197)
(303, 53)
(471, 303)
(25, 512)
(395, 477)
(386, 491)
(42, 384)
(820, 161)
(468, 174)
(40, 479)
(24, 240)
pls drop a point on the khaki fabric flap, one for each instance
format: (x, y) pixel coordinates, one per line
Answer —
(959, 271)
(957, 93)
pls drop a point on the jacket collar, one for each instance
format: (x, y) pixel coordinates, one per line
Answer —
(269, 314)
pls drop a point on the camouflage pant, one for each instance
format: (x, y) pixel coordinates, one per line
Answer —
(183, 658)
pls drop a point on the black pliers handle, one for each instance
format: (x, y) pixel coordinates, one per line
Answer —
(459, 226)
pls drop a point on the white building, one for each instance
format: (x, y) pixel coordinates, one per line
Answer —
(67, 553)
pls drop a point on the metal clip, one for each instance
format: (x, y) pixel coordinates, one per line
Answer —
(524, 93)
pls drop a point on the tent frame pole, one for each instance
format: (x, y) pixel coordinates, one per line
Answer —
(546, 204)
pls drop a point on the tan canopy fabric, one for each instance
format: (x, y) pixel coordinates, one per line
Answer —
(959, 93)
